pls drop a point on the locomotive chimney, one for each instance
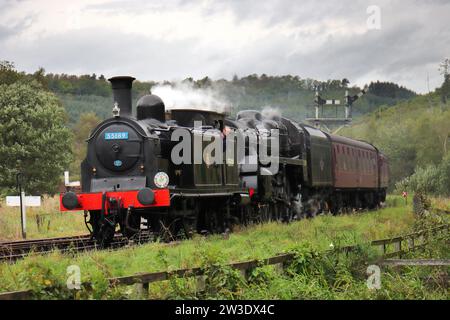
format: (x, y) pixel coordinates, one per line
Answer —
(121, 87)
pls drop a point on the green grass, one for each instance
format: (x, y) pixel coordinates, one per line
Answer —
(53, 222)
(310, 276)
(255, 242)
(440, 203)
(340, 277)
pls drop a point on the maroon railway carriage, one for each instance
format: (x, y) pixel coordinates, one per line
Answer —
(354, 163)
(360, 172)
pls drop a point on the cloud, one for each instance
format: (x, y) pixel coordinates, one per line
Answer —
(13, 29)
(175, 39)
(5, 33)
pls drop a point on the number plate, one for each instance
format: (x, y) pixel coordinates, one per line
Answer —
(116, 136)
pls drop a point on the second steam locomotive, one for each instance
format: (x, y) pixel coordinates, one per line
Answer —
(131, 181)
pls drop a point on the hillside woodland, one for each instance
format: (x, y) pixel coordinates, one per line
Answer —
(411, 129)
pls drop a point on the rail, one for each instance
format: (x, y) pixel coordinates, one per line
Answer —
(14, 250)
(414, 241)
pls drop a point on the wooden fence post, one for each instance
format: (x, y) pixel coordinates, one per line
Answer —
(398, 247)
(279, 268)
(201, 284)
(383, 248)
(142, 289)
(411, 243)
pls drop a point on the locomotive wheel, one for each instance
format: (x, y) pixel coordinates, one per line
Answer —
(106, 234)
(247, 217)
(264, 213)
(335, 206)
(373, 201)
(189, 226)
(312, 208)
(357, 203)
(102, 229)
(94, 217)
(130, 225)
(216, 222)
(275, 211)
(217, 219)
(288, 214)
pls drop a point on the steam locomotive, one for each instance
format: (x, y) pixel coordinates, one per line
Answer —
(131, 182)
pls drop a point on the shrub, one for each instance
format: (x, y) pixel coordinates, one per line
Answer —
(432, 179)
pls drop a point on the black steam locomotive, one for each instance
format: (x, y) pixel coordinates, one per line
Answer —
(131, 181)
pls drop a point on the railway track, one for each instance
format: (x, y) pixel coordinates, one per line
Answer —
(14, 250)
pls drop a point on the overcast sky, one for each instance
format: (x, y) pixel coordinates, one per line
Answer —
(175, 39)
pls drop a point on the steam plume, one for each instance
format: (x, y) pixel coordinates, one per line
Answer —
(186, 96)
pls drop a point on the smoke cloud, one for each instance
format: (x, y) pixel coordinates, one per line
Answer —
(186, 96)
(271, 112)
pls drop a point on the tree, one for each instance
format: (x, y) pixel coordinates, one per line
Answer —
(8, 74)
(345, 83)
(39, 76)
(82, 130)
(204, 83)
(442, 129)
(444, 68)
(33, 138)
